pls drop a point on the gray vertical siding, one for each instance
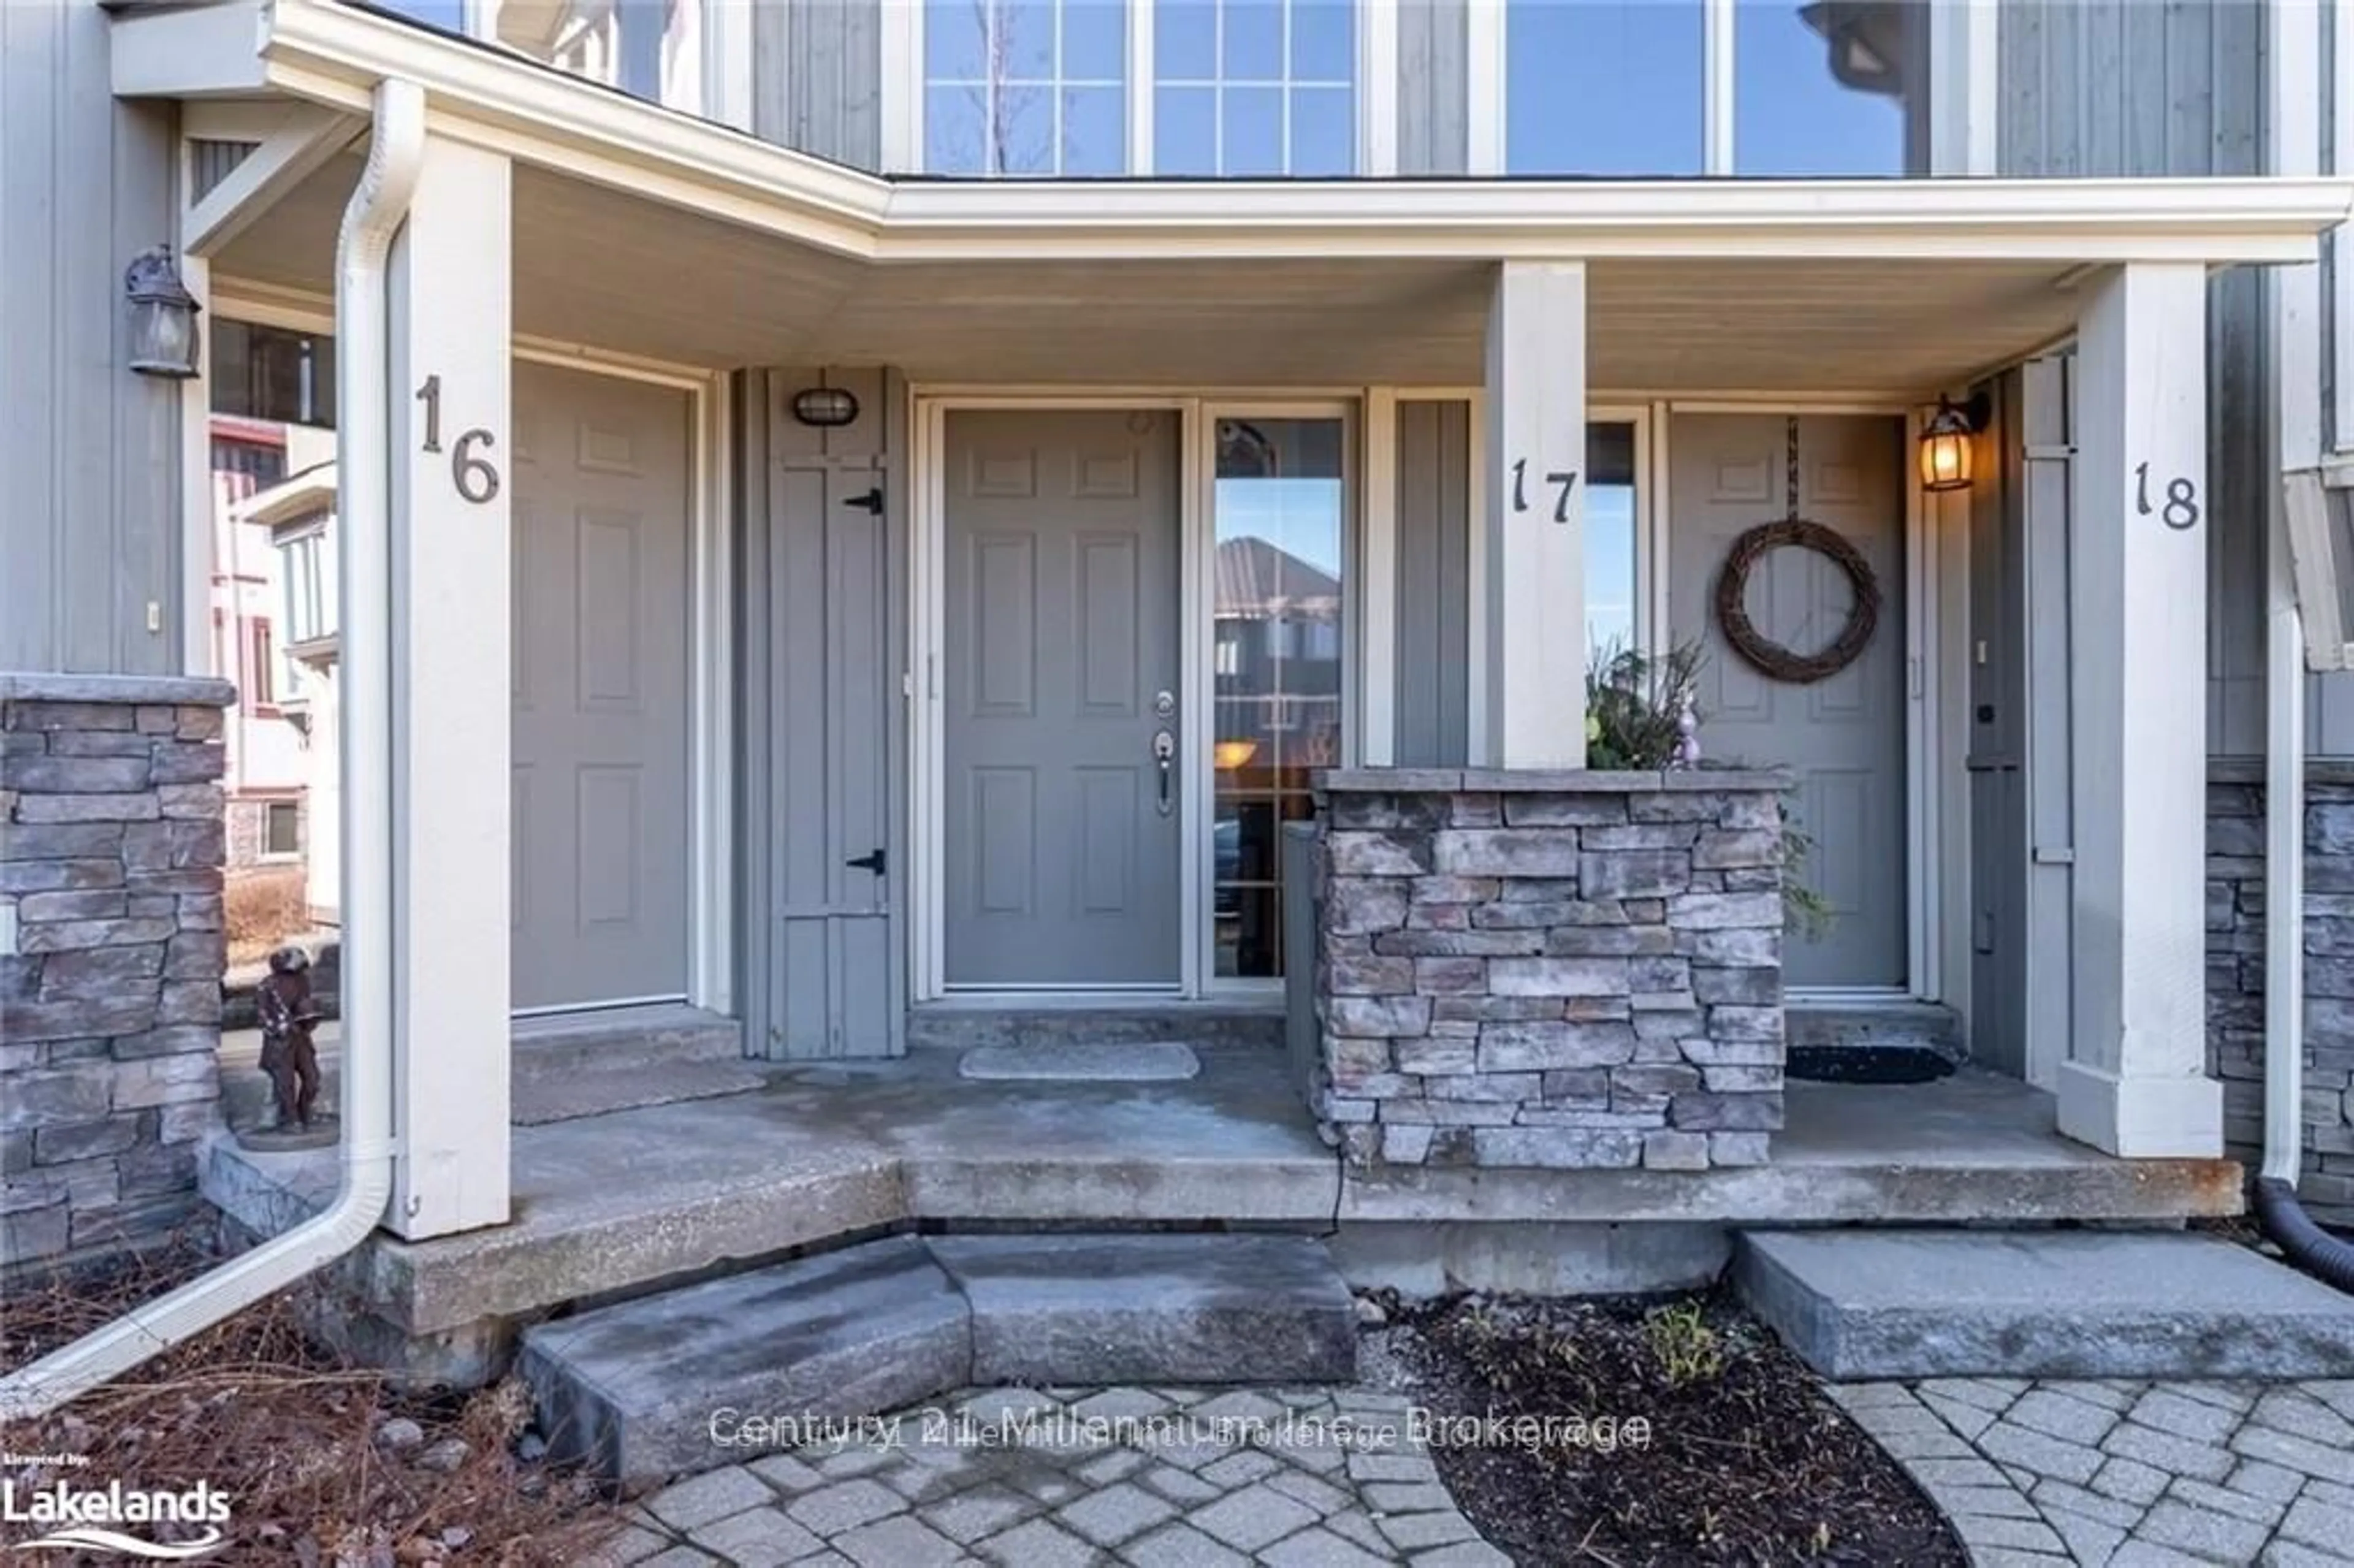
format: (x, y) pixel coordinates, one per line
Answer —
(824, 769)
(89, 451)
(1433, 455)
(2093, 88)
(1432, 56)
(211, 162)
(817, 72)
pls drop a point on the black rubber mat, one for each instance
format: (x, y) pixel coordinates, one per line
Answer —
(1867, 1064)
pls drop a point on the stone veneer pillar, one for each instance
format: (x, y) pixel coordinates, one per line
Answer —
(2236, 972)
(111, 950)
(1554, 970)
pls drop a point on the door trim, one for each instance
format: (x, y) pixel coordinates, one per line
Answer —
(928, 716)
(710, 669)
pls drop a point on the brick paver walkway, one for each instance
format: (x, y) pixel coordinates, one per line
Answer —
(1207, 1477)
(2128, 1475)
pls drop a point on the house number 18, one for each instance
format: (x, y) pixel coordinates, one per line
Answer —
(473, 476)
(2180, 509)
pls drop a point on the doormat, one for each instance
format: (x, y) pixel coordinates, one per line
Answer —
(1867, 1064)
(1113, 1062)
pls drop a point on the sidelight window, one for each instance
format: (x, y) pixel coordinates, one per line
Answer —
(1279, 514)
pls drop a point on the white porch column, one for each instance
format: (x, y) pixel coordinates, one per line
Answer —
(451, 480)
(2135, 1082)
(1535, 553)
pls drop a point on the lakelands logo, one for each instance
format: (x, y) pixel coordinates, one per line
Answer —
(115, 1519)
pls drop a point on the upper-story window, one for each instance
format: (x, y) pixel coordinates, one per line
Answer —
(653, 49)
(1221, 88)
(1668, 87)
(1245, 87)
(1026, 87)
(1606, 89)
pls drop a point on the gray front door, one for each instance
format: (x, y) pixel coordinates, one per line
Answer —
(1841, 737)
(601, 522)
(1060, 672)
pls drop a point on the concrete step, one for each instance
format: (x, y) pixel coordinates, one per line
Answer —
(1929, 1025)
(1870, 1304)
(954, 1027)
(564, 1065)
(1152, 1308)
(612, 1038)
(634, 1389)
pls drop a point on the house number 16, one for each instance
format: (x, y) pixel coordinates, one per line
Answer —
(473, 476)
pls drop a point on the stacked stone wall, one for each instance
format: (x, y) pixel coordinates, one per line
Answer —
(1551, 970)
(2236, 974)
(111, 950)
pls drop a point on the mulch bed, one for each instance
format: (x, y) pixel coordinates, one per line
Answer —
(1743, 1461)
(324, 1463)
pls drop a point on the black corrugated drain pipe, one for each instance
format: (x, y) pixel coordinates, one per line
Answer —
(2309, 1246)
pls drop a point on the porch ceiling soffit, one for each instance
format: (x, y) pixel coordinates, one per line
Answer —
(334, 55)
(599, 269)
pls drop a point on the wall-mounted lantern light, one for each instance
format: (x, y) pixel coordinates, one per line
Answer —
(827, 407)
(1947, 442)
(163, 316)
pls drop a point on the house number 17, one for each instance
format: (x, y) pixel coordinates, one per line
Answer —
(1565, 485)
(473, 476)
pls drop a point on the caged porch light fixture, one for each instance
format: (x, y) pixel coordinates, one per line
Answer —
(163, 316)
(1947, 442)
(826, 407)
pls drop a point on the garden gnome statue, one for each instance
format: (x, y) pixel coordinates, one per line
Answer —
(288, 1016)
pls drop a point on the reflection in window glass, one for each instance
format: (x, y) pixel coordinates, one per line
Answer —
(1595, 88)
(1026, 87)
(270, 373)
(1254, 87)
(1610, 537)
(1829, 87)
(450, 15)
(649, 48)
(1280, 518)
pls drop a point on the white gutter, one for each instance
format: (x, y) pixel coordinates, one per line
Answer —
(538, 116)
(396, 153)
(2292, 304)
(2284, 867)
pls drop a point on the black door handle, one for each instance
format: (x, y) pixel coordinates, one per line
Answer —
(870, 861)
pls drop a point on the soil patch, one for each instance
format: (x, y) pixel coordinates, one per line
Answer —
(1740, 1457)
(323, 1463)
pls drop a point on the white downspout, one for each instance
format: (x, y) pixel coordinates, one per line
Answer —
(377, 207)
(2284, 865)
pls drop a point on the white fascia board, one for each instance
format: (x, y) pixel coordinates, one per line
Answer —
(2220, 220)
(491, 98)
(200, 51)
(538, 116)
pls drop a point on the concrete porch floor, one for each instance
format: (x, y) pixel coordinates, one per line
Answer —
(615, 1203)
